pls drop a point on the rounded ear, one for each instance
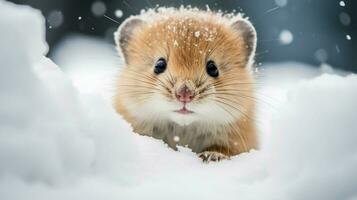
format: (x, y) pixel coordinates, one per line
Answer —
(247, 31)
(125, 32)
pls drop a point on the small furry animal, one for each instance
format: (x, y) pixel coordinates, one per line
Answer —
(187, 80)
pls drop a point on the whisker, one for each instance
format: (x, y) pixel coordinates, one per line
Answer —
(111, 19)
(241, 137)
(271, 10)
(136, 79)
(148, 76)
(136, 93)
(128, 5)
(261, 53)
(221, 85)
(245, 97)
(256, 93)
(235, 108)
(271, 40)
(136, 82)
(138, 86)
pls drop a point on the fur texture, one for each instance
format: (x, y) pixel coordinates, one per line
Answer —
(222, 123)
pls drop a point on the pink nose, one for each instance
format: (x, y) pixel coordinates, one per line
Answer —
(184, 95)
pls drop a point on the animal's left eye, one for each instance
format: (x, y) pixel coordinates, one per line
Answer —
(160, 66)
(212, 69)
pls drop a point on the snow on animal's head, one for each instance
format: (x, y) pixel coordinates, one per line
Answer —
(186, 65)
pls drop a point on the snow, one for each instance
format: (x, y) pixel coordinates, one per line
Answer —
(176, 44)
(176, 138)
(342, 4)
(281, 3)
(286, 37)
(98, 8)
(345, 19)
(55, 18)
(321, 55)
(83, 67)
(118, 13)
(61, 139)
(348, 37)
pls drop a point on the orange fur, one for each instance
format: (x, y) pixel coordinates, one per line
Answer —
(188, 39)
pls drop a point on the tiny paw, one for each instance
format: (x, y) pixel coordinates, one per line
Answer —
(208, 156)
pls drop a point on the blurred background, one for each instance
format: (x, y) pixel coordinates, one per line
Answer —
(311, 31)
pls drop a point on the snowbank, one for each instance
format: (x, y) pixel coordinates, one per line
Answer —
(60, 143)
(49, 133)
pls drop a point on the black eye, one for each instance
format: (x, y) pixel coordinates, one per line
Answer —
(160, 66)
(211, 69)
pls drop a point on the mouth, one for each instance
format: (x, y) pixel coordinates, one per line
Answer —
(184, 111)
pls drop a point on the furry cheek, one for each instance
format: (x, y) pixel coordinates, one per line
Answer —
(212, 112)
(155, 108)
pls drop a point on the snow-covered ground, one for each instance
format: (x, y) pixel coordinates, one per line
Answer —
(60, 138)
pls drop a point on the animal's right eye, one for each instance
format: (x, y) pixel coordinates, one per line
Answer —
(212, 69)
(160, 66)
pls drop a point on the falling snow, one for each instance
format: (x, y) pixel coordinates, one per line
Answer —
(321, 55)
(197, 34)
(176, 138)
(281, 3)
(345, 18)
(176, 44)
(342, 3)
(55, 18)
(338, 49)
(79, 17)
(118, 13)
(98, 8)
(286, 37)
(348, 37)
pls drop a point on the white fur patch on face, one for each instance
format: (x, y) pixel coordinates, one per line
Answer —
(159, 109)
(155, 108)
(211, 112)
(183, 120)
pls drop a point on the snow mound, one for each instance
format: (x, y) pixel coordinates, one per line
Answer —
(48, 132)
(60, 143)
